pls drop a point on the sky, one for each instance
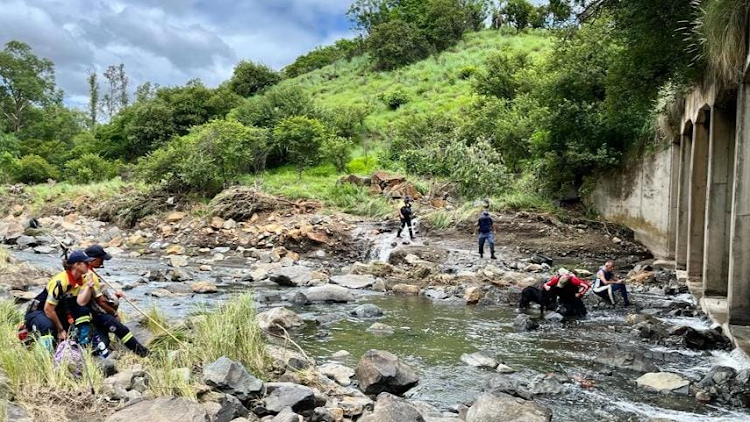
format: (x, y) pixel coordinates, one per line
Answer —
(168, 41)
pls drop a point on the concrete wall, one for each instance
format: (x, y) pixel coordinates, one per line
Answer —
(640, 197)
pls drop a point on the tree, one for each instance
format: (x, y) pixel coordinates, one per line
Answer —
(498, 78)
(302, 138)
(145, 91)
(34, 169)
(26, 81)
(560, 11)
(367, 14)
(336, 150)
(93, 99)
(116, 96)
(517, 13)
(396, 43)
(538, 17)
(147, 126)
(251, 78)
(274, 105)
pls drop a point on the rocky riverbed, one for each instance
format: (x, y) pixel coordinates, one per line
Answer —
(432, 334)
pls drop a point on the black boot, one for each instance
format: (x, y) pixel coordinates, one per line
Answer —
(411, 234)
(398, 233)
(493, 256)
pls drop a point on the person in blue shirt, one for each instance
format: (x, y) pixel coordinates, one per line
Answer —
(486, 233)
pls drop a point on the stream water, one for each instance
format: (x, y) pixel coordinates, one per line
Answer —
(432, 337)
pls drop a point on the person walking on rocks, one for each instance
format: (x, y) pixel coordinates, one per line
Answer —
(607, 283)
(569, 290)
(103, 304)
(486, 233)
(405, 215)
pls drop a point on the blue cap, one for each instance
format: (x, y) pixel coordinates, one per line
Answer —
(78, 256)
(97, 251)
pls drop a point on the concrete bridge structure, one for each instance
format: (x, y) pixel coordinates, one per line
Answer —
(690, 202)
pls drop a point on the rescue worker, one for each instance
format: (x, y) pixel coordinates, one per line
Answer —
(405, 215)
(486, 233)
(607, 283)
(55, 308)
(103, 305)
(569, 290)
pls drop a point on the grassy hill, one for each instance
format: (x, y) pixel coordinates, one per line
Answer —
(433, 85)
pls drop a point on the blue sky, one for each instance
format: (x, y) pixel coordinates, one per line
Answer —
(168, 41)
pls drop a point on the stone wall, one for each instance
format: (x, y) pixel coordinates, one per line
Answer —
(639, 196)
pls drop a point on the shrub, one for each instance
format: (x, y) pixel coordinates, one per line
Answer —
(274, 105)
(396, 43)
(498, 78)
(336, 150)
(362, 165)
(251, 78)
(34, 169)
(467, 72)
(301, 137)
(478, 168)
(8, 167)
(395, 97)
(90, 168)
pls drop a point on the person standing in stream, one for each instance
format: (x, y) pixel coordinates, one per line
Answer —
(405, 215)
(486, 233)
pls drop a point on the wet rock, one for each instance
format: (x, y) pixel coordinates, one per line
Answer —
(179, 274)
(178, 288)
(341, 354)
(425, 253)
(286, 415)
(381, 329)
(292, 276)
(406, 289)
(223, 407)
(504, 369)
(480, 360)
(390, 408)
(710, 339)
(339, 373)
(232, 378)
(553, 317)
(163, 409)
(284, 394)
(352, 281)
(524, 322)
(367, 310)
(329, 293)
(178, 261)
(278, 318)
(545, 385)
(664, 382)
(288, 359)
(473, 294)
(204, 287)
(505, 408)
(436, 294)
(507, 384)
(513, 295)
(15, 413)
(160, 293)
(175, 250)
(44, 250)
(26, 242)
(379, 371)
(628, 358)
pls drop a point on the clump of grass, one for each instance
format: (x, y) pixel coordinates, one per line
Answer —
(522, 201)
(439, 220)
(358, 201)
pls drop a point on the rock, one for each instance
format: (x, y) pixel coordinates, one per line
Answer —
(425, 253)
(277, 318)
(379, 328)
(717, 376)
(174, 217)
(379, 286)
(389, 408)
(160, 293)
(329, 293)
(204, 287)
(544, 384)
(505, 384)
(624, 357)
(355, 404)
(341, 354)
(406, 289)
(14, 413)
(288, 359)
(286, 394)
(45, 250)
(473, 294)
(367, 310)
(175, 250)
(163, 409)
(553, 317)
(436, 294)
(379, 371)
(524, 322)
(353, 281)
(339, 373)
(231, 377)
(504, 369)
(616, 240)
(292, 276)
(710, 339)
(179, 274)
(286, 415)
(26, 241)
(178, 261)
(178, 288)
(505, 408)
(479, 360)
(664, 382)
(205, 268)
(223, 407)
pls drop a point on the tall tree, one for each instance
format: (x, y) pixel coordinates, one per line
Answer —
(123, 85)
(26, 81)
(93, 99)
(116, 96)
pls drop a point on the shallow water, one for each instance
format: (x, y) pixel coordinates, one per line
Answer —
(432, 337)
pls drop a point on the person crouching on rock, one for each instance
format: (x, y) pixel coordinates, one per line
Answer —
(53, 310)
(569, 290)
(607, 283)
(405, 215)
(103, 304)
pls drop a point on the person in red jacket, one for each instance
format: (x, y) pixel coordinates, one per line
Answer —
(569, 290)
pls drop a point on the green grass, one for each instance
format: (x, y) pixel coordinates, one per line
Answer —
(434, 84)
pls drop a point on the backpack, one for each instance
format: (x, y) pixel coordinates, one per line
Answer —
(69, 353)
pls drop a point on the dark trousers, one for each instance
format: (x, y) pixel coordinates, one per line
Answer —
(404, 223)
(570, 305)
(108, 323)
(488, 237)
(37, 322)
(620, 287)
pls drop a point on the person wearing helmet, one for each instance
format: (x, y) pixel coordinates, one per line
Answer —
(405, 215)
(486, 228)
(103, 304)
(569, 290)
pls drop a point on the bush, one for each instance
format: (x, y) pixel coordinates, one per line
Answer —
(336, 150)
(90, 168)
(467, 72)
(396, 43)
(478, 169)
(274, 105)
(301, 137)
(34, 169)
(395, 97)
(251, 78)
(362, 165)
(8, 167)
(498, 78)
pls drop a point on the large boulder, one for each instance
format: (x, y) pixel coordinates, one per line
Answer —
(277, 318)
(631, 359)
(524, 322)
(425, 253)
(163, 409)
(505, 408)
(292, 276)
(329, 293)
(702, 339)
(354, 281)
(232, 378)
(286, 394)
(389, 408)
(379, 371)
(664, 382)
